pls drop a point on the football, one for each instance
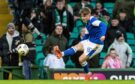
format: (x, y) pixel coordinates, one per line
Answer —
(22, 49)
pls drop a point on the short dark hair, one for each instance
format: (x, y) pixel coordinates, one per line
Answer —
(112, 49)
(59, 1)
(118, 34)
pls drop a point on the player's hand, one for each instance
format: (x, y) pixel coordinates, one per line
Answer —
(12, 51)
(102, 38)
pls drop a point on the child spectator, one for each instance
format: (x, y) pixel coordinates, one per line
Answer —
(52, 61)
(112, 60)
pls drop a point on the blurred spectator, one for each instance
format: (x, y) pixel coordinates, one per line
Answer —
(124, 21)
(69, 8)
(52, 61)
(105, 18)
(47, 10)
(123, 50)
(9, 41)
(127, 5)
(56, 38)
(64, 17)
(24, 4)
(112, 60)
(37, 3)
(22, 9)
(80, 5)
(27, 22)
(99, 9)
(27, 60)
(47, 13)
(13, 7)
(111, 32)
(37, 20)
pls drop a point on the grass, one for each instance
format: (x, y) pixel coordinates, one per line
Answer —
(66, 82)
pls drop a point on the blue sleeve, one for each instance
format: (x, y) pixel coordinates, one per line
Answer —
(103, 27)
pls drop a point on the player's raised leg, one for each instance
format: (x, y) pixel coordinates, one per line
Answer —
(69, 51)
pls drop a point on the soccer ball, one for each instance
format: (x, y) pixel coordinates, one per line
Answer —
(22, 49)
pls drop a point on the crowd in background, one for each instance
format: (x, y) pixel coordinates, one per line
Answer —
(56, 19)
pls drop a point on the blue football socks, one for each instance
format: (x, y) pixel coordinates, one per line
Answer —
(69, 51)
(85, 67)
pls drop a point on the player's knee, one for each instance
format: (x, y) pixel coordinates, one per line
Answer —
(78, 46)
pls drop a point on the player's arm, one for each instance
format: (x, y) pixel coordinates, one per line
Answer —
(103, 27)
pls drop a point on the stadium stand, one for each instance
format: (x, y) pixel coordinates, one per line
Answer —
(102, 56)
(72, 4)
(39, 45)
(131, 42)
(69, 63)
(38, 72)
(130, 35)
(109, 7)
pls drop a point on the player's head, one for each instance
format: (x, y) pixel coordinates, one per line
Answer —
(85, 14)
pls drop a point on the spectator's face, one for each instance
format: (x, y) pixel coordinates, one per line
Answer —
(107, 18)
(24, 28)
(113, 53)
(11, 30)
(122, 16)
(121, 38)
(60, 5)
(59, 30)
(115, 22)
(98, 6)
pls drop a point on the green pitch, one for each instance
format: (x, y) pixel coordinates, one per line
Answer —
(64, 82)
